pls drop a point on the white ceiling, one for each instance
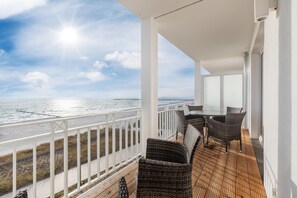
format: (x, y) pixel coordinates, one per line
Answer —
(204, 30)
(231, 65)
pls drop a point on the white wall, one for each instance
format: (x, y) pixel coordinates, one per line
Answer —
(254, 95)
(279, 100)
(294, 98)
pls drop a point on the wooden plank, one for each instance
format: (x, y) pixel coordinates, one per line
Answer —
(208, 169)
(228, 188)
(255, 181)
(242, 180)
(215, 184)
(113, 189)
(105, 185)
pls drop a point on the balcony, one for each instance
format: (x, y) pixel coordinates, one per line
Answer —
(215, 174)
(53, 164)
(84, 170)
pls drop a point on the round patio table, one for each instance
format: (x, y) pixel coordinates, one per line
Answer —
(205, 114)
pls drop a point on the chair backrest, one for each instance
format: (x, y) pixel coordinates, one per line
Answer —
(123, 189)
(234, 110)
(195, 108)
(234, 118)
(163, 179)
(191, 140)
(181, 121)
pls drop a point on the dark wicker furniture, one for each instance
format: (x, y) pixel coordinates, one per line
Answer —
(183, 121)
(167, 169)
(229, 110)
(228, 130)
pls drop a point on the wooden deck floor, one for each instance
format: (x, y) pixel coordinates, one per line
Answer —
(215, 174)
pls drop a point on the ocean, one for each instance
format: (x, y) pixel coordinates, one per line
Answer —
(21, 110)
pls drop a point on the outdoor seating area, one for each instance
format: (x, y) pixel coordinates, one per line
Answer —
(189, 168)
(214, 174)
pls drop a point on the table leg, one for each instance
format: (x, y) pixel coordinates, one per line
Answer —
(205, 132)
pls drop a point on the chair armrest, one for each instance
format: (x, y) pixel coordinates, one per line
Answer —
(164, 150)
(216, 125)
(164, 179)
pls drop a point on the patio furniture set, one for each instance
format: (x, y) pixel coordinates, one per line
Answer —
(166, 171)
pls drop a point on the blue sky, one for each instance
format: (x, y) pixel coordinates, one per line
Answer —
(104, 61)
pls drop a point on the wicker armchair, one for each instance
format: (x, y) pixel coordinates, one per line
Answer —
(164, 179)
(229, 110)
(227, 131)
(183, 121)
(166, 172)
(160, 179)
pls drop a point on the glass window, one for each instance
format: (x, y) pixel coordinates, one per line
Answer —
(212, 93)
(233, 90)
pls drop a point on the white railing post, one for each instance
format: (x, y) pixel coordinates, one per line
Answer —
(98, 151)
(140, 129)
(78, 160)
(14, 170)
(126, 141)
(65, 158)
(121, 142)
(34, 169)
(107, 144)
(89, 155)
(52, 160)
(113, 142)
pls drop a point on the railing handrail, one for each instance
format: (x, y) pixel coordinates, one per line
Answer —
(48, 120)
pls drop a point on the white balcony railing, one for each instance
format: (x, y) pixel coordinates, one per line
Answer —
(76, 152)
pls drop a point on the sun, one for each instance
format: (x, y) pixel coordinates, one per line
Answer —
(69, 36)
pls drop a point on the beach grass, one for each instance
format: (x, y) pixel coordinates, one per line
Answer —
(25, 157)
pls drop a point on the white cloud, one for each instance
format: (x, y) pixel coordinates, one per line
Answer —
(129, 60)
(37, 79)
(2, 52)
(114, 74)
(93, 76)
(9, 8)
(99, 64)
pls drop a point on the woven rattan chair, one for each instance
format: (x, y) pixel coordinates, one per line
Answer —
(228, 130)
(183, 121)
(166, 172)
(160, 179)
(229, 110)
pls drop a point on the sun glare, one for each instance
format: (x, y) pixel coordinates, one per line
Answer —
(69, 36)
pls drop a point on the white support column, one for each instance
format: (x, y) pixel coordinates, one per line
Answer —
(255, 100)
(149, 80)
(198, 84)
(245, 88)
